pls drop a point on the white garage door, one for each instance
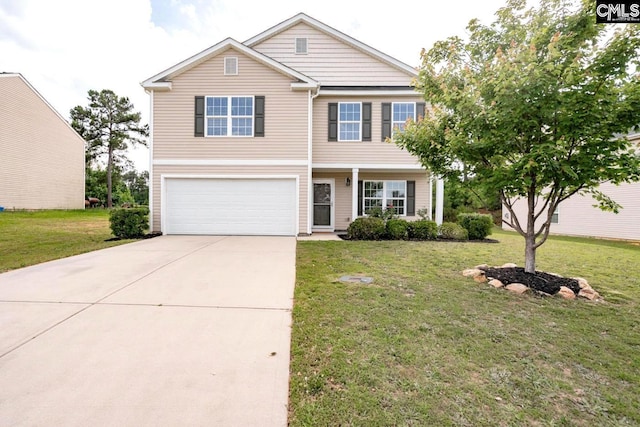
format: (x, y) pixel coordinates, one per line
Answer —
(230, 206)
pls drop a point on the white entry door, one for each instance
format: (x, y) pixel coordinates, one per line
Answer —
(323, 209)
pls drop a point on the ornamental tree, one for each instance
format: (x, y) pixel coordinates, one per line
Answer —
(536, 106)
(109, 125)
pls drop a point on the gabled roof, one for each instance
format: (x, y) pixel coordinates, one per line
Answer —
(301, 17)
(163, 79)
(42, 98)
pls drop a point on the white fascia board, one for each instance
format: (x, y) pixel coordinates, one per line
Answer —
(214, 50)
(363, 166)
(301, 17)
(322, 92)
(303, 86)
(229, 162)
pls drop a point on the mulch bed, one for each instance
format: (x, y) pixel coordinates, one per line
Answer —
(146, 236)
(346, 237)
(540, 281)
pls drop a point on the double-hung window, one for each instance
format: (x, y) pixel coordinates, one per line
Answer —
(385, 195)
(229, 116)
(402, 111)
(349, 121)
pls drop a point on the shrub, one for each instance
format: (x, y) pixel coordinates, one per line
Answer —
(453, 231)
(129, 223)
(397, 229)
(423, 230)
(386, 214)
(423, 213)
(478, 225)
(367, 228)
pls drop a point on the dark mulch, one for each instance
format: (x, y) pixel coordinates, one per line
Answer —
(540, 281)
(146, 236)
(346, 237)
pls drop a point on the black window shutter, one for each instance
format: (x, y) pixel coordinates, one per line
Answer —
(359, 198)
(199, 116)
(419, 110)
(386, 120)
(333, 121)
(366, 121)
(258, 119)
(411, 198)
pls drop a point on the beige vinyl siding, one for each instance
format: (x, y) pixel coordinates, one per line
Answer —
(578, 217)
(343, 194)
(329, 60)
(230, 171)
(375, 151)
(285, 113)
(41, 157)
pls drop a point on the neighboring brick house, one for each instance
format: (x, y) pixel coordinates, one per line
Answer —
(41, 156)
(283, 134)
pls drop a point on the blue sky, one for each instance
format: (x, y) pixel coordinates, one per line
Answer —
(66, 47)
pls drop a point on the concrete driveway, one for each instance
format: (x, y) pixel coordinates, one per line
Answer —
(174, 330)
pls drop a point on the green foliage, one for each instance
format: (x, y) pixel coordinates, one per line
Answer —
(109, 125)
(138, 186)
(367, 228)
(385, 214)
(423, 213)
(533, 106)
(397, 229)
(129, 223)
(478, 225)
(453, 231)
(423, 230)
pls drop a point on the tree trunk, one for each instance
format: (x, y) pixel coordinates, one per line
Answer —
(530, 236)
(109, 170)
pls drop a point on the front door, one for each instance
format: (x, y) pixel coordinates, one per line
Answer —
(323, 204)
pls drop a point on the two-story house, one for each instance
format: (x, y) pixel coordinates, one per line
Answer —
(283, 134)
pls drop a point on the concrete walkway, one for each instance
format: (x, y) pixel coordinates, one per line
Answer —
(170, 331)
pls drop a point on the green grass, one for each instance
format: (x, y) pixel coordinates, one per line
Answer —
(425, 346)
(28, 238)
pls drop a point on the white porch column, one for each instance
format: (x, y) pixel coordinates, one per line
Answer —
(354, 193)
(439, 200)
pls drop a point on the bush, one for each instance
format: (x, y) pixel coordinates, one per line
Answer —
(129, 223)
(423, 230)
(387, 214)
(478, 225)
(367, 228)
(397, 229)
(453, 231)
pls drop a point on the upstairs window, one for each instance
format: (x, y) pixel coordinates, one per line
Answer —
(349, 121)
(301, 45)
(229, 116)
(402, 111)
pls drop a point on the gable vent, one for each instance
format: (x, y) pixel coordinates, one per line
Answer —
(301, 45)
(230, 66)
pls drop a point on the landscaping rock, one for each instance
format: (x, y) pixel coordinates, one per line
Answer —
(496, 283)
(472, 272)
(509, 265)
(566, 293)
(517, 288)
(588, 293)
(480, 278)
(582, 282)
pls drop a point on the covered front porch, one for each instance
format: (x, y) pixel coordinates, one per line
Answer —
(339, 194)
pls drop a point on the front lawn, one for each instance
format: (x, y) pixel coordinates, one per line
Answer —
(28, 238)
(423, 345)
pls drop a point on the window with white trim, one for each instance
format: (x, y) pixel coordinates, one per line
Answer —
(229, 115)
(349, 121)
(385, 195)
(554, 217)
(401, 112)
